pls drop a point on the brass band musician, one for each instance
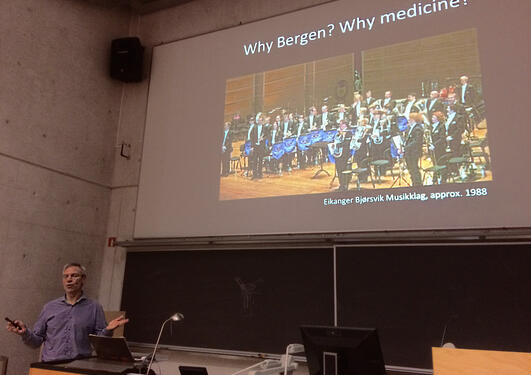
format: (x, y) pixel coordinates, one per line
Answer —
(342, 153)
(413, 147)
(226, 150)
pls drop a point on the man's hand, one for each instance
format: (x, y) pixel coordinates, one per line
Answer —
(115, 323)
(19, 331)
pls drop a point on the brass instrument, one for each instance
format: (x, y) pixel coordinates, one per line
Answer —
(376, 103)
(360, 133)
(338, 139)
(422, 105)
(400, 105)
(377, 132)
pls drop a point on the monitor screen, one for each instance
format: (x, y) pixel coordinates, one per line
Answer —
(342, 350)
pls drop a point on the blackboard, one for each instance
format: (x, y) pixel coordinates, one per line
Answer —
(241, 300)
(480, 293)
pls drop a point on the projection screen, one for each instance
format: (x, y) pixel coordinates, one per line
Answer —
(347, 117)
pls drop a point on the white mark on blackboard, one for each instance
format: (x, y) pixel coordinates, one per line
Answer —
(248, 290)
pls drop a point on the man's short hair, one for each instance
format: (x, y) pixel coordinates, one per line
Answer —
(81, 267)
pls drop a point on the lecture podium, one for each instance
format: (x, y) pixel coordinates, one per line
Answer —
(447, 361)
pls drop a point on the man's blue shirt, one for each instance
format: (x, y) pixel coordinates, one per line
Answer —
(64, 329)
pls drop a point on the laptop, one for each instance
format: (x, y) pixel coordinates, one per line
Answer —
(112, 348)
(190, 370)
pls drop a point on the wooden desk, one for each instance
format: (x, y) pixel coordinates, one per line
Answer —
(91, 366)
(448, 361)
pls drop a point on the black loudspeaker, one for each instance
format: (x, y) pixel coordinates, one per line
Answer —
(127, 55)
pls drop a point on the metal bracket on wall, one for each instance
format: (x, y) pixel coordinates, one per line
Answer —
(125, 150)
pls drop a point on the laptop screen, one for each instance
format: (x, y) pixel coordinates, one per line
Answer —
(111, 348)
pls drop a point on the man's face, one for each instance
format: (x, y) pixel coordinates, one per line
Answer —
(368, 94)
(434, 95)
(410, 98)
(388, 94)
(73, 279)
(463, 80)
(451, 98)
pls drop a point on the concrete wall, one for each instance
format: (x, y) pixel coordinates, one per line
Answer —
(59, 112)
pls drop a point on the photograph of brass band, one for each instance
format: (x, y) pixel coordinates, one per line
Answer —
(408, 114)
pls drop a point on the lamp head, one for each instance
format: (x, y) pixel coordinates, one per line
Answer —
(176, 317)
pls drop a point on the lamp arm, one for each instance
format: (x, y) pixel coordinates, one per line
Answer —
(156, 345)
(286, 361)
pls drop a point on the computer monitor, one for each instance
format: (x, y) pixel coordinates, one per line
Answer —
(342, 351)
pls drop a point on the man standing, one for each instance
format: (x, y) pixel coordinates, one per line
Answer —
(326, 119)
(64, 324)
(368, 99)
(312, 119)
(258, 136)
(250, 156)
(410, 105)
(341, 114)
(287, 130)
(413, 147)
(434, 104)
(466, 93)
(273, 138)
(355, 110)
(388, 102)
(226, 150)
(455, 126)
(342, 154)
(301, 128)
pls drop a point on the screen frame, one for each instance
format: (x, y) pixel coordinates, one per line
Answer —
(460, 228)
